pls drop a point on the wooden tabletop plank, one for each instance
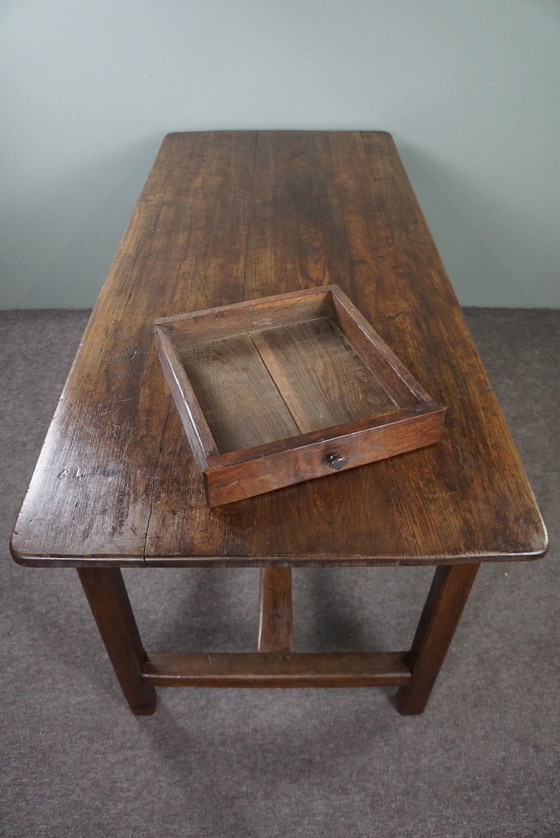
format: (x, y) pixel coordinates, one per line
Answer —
(184, 248)
(228, 216)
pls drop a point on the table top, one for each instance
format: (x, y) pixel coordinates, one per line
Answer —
(231, 216)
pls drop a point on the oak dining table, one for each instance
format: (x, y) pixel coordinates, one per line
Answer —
(230, 216)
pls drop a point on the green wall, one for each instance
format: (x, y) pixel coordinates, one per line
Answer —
(468, 88)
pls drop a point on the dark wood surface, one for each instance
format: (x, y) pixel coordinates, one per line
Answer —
(440, 617)
(260, 669)
(226, 217)
(242, 474)
(108, 598)
(275, 611)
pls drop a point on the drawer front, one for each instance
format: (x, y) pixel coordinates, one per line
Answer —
(320, 458)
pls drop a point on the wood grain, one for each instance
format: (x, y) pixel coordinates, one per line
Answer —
(194, 420)
(275, 610)
(351, 669)
(272, 391)
(391, 373)
(232, 216)
(110, 605)
(242, 474)
(239, 399)
(448, 595)
(321, 378)
(251, 315)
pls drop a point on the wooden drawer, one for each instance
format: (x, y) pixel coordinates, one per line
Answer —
(283, 389)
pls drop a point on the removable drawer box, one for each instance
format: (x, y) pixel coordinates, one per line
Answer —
(283, 389)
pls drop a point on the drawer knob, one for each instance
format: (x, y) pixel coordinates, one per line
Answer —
(336, 460)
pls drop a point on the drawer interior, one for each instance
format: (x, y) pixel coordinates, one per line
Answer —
(279, 382)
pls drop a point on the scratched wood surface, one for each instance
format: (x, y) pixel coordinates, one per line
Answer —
(232, 216)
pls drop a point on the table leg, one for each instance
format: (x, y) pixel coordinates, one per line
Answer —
(447, 597)
(109, 602)
(275, 624)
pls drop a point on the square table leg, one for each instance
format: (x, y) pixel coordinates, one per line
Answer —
(448, 595)
(109, 602)
(110, 605)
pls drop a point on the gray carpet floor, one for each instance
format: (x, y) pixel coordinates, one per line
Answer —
(482, 761)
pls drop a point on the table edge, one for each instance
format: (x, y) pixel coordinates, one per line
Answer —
(36, 560)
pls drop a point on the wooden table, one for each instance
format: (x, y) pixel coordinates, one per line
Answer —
(229, 216)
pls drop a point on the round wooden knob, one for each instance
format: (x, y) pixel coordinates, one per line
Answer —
(337, 460)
